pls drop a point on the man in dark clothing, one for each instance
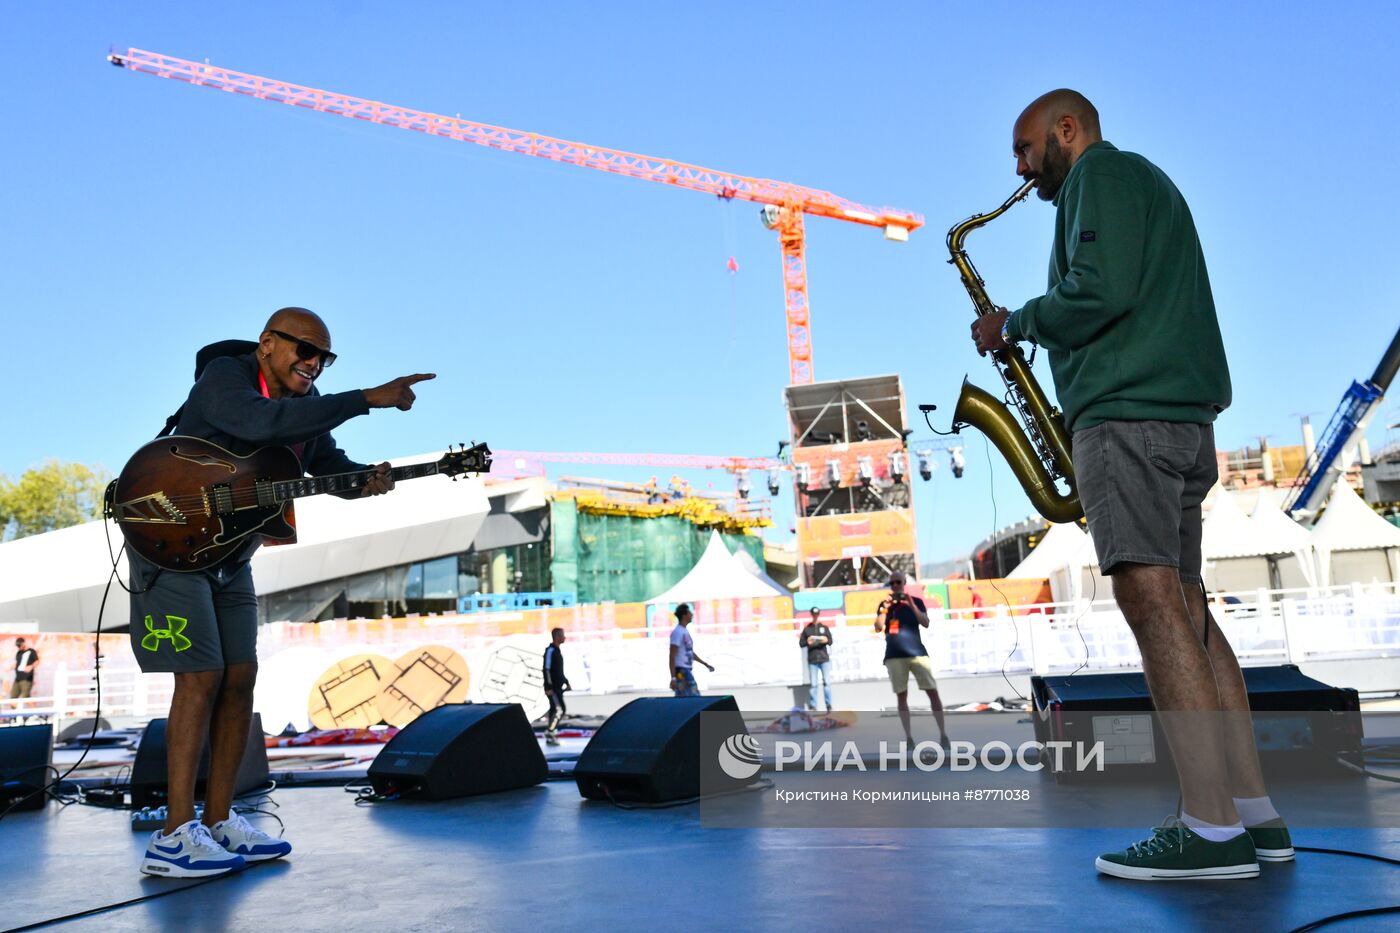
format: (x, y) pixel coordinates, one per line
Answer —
(1139, 365)
(900, 617)
(25, 660)
(816, 638)
(555, 683)
(202, 626)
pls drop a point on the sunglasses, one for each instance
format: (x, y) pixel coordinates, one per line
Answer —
(306, 350)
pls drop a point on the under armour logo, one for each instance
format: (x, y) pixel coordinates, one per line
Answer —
(173, 631)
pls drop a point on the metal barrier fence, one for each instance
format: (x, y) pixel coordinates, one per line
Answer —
(1263, 627)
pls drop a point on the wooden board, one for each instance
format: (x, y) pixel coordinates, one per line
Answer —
(424, 678)
(346, 695)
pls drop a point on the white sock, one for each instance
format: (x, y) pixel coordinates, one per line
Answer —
(1212, 832)
(1255, 810)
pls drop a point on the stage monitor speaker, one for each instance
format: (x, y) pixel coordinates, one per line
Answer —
(148, 772)
(649, 751)
(1300, 724)
(458, 750)
(26, 753)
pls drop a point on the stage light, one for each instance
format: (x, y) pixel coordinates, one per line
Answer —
(863, 431)
(833, 473)
(926, 464)
(744, 486)
(897, 466)
(955, 459)
(803, 476)
(772, 482)
(865, 468)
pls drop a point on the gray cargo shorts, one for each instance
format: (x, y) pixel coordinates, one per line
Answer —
(1141, 484)
(186, 622)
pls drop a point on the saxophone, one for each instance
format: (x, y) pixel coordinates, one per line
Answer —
(1039, 454)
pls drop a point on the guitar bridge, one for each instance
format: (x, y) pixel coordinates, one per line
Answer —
(155, 509)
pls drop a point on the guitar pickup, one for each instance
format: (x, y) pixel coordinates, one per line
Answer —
(221, 497)
(266, 492)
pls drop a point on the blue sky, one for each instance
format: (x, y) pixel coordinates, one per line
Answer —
(566, 309)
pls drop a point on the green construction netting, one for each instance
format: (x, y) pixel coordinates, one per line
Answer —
(617, 558)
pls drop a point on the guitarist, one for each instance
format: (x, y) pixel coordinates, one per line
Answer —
(202, 626)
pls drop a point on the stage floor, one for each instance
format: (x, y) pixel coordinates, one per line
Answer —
(544, 858)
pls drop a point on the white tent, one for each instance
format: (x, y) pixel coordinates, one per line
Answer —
(717, 575)
(1066, 557)
(1228, 533)
(1234, 550)
(1293, 548)
(1059, 547)
(1353, 543)
(745, 561)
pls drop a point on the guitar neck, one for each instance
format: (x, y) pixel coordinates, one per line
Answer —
(285, 490)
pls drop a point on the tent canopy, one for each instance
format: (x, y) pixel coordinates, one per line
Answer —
(717, 575)
(1288, 536)
(1064, 545)
(1268, 514)
(1227, 532)
(1349, 524)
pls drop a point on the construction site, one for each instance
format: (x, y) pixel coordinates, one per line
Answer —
(680, 584)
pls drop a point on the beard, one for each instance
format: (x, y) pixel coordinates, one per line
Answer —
(1054, 168)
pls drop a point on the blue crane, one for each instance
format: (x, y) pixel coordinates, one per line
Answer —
(1343, 432)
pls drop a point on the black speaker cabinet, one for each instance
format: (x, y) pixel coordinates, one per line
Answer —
(148, 771)
(459, 750)
(25, 755)
(1301, 725)
(650, 750)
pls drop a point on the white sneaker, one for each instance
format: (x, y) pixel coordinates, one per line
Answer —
(239, 836)
(189, 852)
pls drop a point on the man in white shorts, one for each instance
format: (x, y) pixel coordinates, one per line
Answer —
(900, 617)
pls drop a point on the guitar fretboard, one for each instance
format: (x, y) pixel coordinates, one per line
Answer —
(345, 482)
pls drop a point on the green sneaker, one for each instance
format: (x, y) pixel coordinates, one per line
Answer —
(1271, 841)
(1175, 852)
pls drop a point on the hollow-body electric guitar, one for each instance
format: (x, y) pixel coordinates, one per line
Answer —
(186, 504)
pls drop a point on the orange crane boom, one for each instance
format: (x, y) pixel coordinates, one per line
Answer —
(784, 204)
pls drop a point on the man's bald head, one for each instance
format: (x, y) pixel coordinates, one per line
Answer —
(1048, 109)
(1049, 137)
(293, 320)
(288, 351)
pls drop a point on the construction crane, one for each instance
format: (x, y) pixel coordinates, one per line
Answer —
(1343, 434)
(784, 204)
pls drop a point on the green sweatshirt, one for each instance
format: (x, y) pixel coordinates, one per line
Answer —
(1128, 321)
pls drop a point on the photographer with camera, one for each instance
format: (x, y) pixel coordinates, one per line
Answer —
(900, 616)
